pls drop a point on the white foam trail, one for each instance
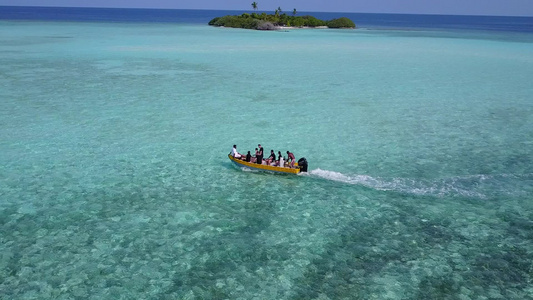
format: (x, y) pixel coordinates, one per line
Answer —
(365, 180)
(336, 176)
(476, 186)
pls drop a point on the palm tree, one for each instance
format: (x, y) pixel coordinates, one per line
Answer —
(277, 12)
(294, 12)
(254, 5)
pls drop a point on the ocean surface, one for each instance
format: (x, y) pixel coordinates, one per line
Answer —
(114, 180)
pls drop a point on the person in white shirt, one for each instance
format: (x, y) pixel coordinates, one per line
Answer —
(280, 162)
(234, 152)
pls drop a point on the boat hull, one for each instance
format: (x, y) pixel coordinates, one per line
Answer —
(254, 166)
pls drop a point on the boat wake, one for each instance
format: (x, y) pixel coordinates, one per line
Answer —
(471, 186)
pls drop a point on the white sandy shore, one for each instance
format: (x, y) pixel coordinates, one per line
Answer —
(302, 27)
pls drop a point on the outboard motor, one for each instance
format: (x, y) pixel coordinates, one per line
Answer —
(302, 164)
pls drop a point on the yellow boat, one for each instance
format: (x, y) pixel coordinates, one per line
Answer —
(301, 166)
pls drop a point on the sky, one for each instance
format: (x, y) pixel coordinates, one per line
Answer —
(445, 7)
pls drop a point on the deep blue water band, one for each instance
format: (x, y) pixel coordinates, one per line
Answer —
(399, 21)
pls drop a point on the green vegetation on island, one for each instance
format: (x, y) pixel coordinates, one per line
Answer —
(341, 23)
(278, 20)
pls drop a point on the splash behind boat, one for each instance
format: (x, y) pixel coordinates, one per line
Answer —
(301, 166)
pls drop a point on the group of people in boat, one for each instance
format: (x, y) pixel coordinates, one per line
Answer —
(258, 158)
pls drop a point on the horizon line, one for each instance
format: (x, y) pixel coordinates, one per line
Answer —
(261, 11)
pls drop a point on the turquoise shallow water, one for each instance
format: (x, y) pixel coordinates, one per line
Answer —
(115, 184)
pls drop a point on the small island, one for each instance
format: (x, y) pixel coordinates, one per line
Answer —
(278, 21)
